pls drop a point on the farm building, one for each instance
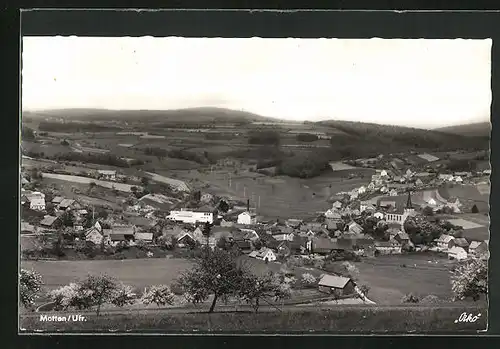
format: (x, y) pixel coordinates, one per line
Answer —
(333, 214)
(336, 284)
(68, 204)
(157, 201)
(477, 248)
(457, 253)
(354, 227)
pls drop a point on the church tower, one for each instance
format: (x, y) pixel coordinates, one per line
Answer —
(408, 210)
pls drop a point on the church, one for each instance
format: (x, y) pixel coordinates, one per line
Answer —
(400, 215)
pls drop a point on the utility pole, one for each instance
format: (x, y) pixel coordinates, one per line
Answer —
(259, 201)
(229, 179)
(244, 191)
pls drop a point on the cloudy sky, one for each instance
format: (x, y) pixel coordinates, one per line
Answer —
(420, 83)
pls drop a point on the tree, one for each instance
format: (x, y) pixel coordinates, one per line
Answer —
(474, 209)
(123, 295)
(364, 289)
(308, 280)
(255, 288)
(145, 181)
(215, 273)
(30, 284)
(410, 298)
(223, 206)
(427, 211)
(67, 219)
(161, 295)
(97, 290)
(470, 280)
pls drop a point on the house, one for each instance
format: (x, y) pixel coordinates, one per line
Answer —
(419, 182)
(144, 236)
(337, 205)
(50, 222)
(314, 227)
(68, 204)
(94, 236)
(266, 254)
(398, 179)
(321, 246)
(226, 224)
(458, 179)
(192, 216)
(283, 235)
(250, 234)
(457, 253)
(477, 248)
(244, 246)
(247, 218)
(444, 242)
(361, 190)
(393, 192)
(37, 204)
(371, 186)
(461, 242)
(27, 228)
(121, 233)
(331, 224)
(186, 239)
(363, 205)
(383, 173)
(388, 247)
(334, 215)
(354, 227)
(294, 223)
(379, 215)
(445, 177)
(336, 284)
(107, 174)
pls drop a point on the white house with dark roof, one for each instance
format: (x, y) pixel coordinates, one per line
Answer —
(444, 242)
(477, 248)
(457, 253)
(266, 254)
(37, 204)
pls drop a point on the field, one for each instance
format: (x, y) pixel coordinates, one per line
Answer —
(137, 273)
(280, 197)
(85, 180)
(389, 281)
(338, 319)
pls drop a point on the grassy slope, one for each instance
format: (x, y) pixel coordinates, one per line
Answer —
(337, 320)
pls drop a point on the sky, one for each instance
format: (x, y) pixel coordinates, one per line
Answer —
(418, 83)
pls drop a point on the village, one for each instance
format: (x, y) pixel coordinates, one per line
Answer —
(398, 212)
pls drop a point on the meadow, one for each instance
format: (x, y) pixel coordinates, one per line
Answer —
(339, 320)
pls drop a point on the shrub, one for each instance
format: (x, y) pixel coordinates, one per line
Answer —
(30, 284)
(308, 280)
(430, 299)
(161, 295)
(176, 289)
(410, 298)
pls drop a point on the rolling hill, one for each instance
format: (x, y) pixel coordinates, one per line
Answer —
(481, 129)
(203, 114)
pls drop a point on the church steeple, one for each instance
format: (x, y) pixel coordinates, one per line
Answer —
(409, 205)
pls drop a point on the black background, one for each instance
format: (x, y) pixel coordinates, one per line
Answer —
(348, 24)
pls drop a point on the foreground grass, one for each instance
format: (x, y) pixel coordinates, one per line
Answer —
(339, 320)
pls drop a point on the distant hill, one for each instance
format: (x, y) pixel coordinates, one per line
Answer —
(381, 138)
(203, 114)
(482, 129)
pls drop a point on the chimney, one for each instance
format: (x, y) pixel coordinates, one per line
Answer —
(248, 205)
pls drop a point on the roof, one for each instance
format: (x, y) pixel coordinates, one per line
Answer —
(57, 199)
(25, 226)
(92, 230)
(66, 202)
(445, 238)
(333, 281)
(37, 201)
(123, 229)
(403, 235)
(48, 220)
(144, 236)
(140, 221)
(476, 244)
(461, 242)
(107, 231)
(242, 244)
(456, 249)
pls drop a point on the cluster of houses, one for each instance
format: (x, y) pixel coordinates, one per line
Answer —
(460, 248)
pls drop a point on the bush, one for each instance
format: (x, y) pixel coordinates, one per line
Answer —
(264, 137)
(410, 298)
(308, 280)
(306, 137)
(303, 166)
(430, 299)
(176, 289)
